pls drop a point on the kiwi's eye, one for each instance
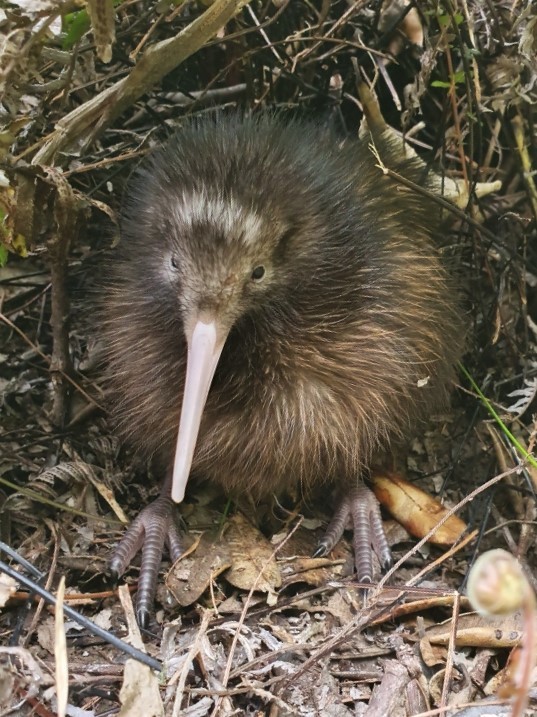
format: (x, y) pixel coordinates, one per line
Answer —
(258, 273)
(173, 262)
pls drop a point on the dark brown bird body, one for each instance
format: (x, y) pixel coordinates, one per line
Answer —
(345, 342)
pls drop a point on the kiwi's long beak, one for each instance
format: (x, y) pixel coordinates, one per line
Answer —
(204, 349)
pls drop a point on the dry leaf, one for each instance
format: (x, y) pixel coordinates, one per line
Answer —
(102, 17)
(140, 693)
(8, 587)
(432, 655)
(415, 509)
(253, 563)
(503, 683)
(190, 577)
(240, 549)
(475, 630)
(409, 25)
(61, 666)
(45, 634)
(297, 565)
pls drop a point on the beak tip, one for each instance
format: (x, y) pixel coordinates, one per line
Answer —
(178, 491)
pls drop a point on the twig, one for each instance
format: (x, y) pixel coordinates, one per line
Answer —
(244, 612)
(48, 360)
(77, 617)
(91, 118)
(451, 652)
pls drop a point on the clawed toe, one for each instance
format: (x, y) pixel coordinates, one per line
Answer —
(359, 507)
(151, 530)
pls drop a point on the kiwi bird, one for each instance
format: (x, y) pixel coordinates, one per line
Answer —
(278, 314)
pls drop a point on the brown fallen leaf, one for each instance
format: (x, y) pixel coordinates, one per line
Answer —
(140, 694)
(432, 655)
(240, 549)
(402, 25)
(8, 587)
(189, 577)
(503, 684)
(297, 565)
(102, 18)
(252, 557)
(474, 630)
(415, 509)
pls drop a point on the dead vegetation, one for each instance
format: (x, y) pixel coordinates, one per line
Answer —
(263, 628)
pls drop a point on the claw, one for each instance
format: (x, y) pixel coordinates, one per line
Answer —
(151, 530)
(361, 507)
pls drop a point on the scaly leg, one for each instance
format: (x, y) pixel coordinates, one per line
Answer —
(359, 507)
(153, 528)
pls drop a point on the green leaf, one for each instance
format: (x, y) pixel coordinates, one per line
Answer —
(457, 79)
(529, 457)
(75, 25)
(3, 255)
(471, 52)
(446, 20)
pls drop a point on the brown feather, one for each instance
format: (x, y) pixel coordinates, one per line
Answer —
(324, 367)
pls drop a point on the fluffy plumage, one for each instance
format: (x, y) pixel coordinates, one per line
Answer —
(344, 345)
